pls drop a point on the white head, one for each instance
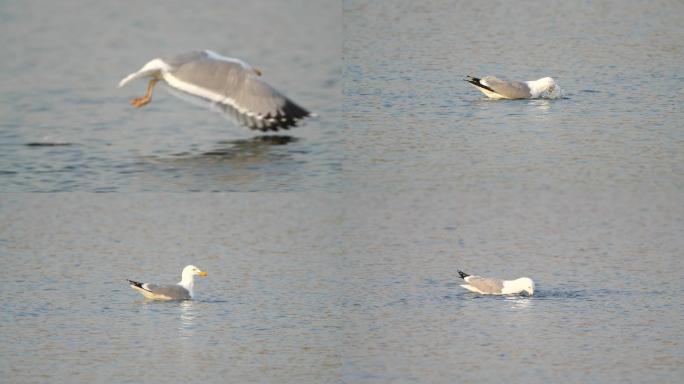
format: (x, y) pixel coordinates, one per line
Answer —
(547, 81)
(545, 87)
(190, 272)
(550, 86)
(525, 284)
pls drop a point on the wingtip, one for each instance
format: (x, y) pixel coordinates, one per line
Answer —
(124, 81)
(463, 274)
(129, 78)
(134, 283)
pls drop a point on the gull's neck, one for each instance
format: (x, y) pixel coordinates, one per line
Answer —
(512, 286)
(188, 282)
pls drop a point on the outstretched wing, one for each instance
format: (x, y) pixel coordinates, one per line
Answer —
(236, 88)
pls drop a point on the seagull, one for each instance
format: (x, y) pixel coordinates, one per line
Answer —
(489, 286)
(181, 291)
(496, 88)
(229, 85)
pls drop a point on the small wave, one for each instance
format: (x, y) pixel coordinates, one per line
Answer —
(559, 294)
(44, 144)
(47, 141)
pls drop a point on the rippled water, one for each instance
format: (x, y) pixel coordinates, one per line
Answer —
(418, 125)
(583, 193)
(63, 60)
(606, 306)
(408, 175)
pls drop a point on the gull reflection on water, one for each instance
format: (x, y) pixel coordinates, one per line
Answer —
(519, 302)
(540, 108)
(541, 104)
(188, 313)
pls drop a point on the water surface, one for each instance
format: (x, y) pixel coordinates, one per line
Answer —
(416, 177)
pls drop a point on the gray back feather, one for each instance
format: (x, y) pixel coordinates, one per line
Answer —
(509, 89)
(485, 284)
(172, 291)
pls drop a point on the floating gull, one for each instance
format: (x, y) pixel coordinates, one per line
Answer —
(180, 291)
(489, 286)
(229, 85)
(496, 88)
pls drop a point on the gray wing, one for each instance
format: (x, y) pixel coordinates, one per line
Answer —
(173, 291)
(485, 284)
(244, 96)
(509, 89)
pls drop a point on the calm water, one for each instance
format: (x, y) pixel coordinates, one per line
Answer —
(408, 175)
(267, 312)
(62, 62)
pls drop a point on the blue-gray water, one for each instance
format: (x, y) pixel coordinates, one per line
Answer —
(267, 312)
(340, 264)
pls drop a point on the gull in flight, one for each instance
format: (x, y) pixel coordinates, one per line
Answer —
(490, 286)
(496, 88)
(228, 85)
(184, 290)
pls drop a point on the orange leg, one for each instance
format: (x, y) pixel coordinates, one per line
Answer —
(140, 101)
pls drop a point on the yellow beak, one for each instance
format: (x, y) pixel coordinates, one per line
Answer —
(203, 274)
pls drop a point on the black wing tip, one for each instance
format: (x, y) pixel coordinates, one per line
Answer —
(289, 116)
(138, 284)
(463, 274)
(476, 82)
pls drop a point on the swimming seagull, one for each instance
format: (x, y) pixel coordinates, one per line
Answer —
(496, 88)
(229, 85)
(489, 286)
(181, 291)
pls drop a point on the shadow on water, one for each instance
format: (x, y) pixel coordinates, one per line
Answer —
(228, 165)
(255, 146)
(258, 147)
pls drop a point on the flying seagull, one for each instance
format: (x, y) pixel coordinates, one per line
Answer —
(489, 286)
(228, 85)
(496, 88)
(184, 290)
